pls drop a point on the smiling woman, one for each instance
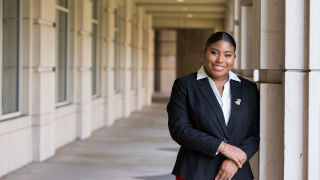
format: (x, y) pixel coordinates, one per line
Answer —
(218, 133)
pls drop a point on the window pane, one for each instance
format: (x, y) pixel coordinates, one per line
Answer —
(63, 3)
(10, 56)
(94, 59)
(95, 9)
(61, 73)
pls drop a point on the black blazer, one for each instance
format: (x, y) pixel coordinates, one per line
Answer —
(196, 122)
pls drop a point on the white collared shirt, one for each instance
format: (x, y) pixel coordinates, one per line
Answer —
(225, 99)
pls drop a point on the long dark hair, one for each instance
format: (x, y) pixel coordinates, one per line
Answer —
(217, 36)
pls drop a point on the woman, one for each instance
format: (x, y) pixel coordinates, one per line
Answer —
(214, 117)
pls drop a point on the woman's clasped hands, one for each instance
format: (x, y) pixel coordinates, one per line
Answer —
(229, 167)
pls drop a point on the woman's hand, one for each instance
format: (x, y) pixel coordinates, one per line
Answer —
(234, 153)
(227, 170)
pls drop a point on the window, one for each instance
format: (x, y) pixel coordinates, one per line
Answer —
(62, 49)
(116, 51)
(10, 70)
(95, 73)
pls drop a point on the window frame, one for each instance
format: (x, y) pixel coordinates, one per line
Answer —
(67, 11)
(18, 113)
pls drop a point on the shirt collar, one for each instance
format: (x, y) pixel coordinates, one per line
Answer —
(202, 74)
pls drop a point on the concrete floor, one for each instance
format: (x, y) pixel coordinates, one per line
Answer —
(135, 148)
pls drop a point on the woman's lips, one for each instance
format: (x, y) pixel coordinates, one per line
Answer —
(218, 68)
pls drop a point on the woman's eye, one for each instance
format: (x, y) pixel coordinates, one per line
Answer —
(213, 52)
(228, 55)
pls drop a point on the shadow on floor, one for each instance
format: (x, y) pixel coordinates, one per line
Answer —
(159, 177)
(169, 149)
(160, 98)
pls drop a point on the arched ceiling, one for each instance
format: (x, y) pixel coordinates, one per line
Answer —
(185, 13)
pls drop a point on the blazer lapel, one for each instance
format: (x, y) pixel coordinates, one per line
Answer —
(236, 97)
(208, 93)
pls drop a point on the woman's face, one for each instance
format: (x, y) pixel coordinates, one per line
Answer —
(218, 59)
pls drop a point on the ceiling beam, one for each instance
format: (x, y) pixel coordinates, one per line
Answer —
(190, 15)
(176, 23)
(185, 8)
(170, 2)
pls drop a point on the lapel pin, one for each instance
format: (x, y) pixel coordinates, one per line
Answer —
(238, 102)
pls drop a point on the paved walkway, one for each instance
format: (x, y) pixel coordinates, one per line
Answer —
(135, 148)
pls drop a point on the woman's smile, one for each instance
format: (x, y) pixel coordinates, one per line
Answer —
(218, 68)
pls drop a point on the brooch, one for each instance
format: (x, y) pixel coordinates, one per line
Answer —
(238, 102)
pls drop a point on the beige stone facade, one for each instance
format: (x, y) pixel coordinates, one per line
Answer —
(70, 69)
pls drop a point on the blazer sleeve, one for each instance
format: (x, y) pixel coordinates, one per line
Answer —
(251, 143)
(181, 130)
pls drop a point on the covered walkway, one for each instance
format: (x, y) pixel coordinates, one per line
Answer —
(137, 147)
(73, 70)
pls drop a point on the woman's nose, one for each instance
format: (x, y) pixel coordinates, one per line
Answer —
(220, 59)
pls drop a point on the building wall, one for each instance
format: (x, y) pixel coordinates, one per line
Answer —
(43, 125)
(279, 49)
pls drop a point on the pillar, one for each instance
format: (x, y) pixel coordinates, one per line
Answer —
(237, 35)
(268, 38)
(296, 90)
(103, 29)
(83, 68)
(150, 60)
(126, 62)
(139, 59)
(42, 43)
(313, 92)
(134, 51)
(246, 39)
(108, 66)
(229, 20)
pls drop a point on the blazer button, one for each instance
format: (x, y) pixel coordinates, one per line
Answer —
(225, 140)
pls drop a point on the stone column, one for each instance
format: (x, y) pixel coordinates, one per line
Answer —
(313, 93)
(108, 67)
(237, 35)
(229, 20)
(134, 52)
(103, 55)
(126, 62)
(296, 90)
(42, 46)
(246, 39)
(83, 68)
(286, 62)
(150, 60)
(268, 33)
(139, 59)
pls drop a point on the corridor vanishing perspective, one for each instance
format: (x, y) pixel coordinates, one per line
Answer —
(77, 78)
(135, 148)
